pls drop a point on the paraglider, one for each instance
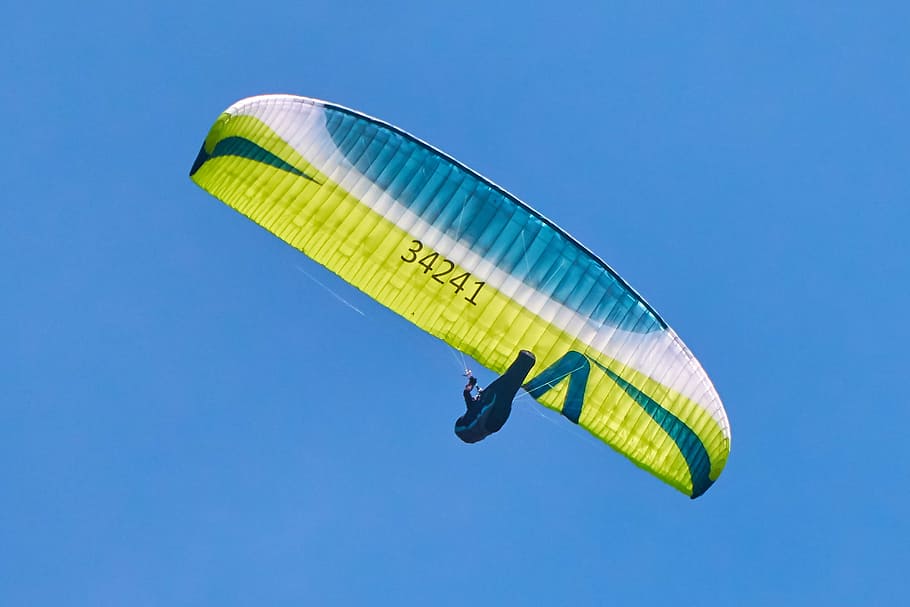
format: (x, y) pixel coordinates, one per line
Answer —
(488, 411)
(471, 264)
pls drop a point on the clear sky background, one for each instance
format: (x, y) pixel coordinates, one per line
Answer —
(187, 418)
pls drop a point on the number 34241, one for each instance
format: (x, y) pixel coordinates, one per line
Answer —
(439, 268)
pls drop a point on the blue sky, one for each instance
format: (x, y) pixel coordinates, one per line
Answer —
(187, 419)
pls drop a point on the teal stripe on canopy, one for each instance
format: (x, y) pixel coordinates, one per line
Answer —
(491, 222)
(244, 148)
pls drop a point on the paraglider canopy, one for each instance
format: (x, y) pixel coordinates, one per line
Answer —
(466, 261)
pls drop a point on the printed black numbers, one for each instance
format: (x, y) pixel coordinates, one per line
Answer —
(413, 251)
(427, 262)
(459, 281)
(438, 276)
(479, 287)
(441, 268)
